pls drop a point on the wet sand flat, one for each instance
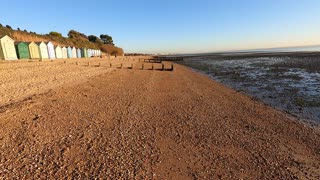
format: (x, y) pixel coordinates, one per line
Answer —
(289, 82)
(124, 123)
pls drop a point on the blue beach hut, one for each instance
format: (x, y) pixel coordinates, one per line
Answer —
(78, 53)
(69, 52)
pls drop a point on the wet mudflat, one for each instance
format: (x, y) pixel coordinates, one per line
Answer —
(287, 82)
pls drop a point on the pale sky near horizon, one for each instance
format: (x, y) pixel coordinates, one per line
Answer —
(175, 26)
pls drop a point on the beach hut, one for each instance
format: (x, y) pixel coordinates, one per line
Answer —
(64, 53)
(84, 52)
(43, 49)
(7, 49)
(78, 53)
(90, 54)
(33, 50)
(51, 52)
(22, 50)
(93, 52)
(58, 51)
(74, 52)
(69, 52)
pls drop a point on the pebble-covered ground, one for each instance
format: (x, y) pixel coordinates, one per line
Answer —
(144, 124)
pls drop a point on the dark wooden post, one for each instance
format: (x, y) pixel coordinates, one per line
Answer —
(152, 66)
(142, 66)
(162, 67)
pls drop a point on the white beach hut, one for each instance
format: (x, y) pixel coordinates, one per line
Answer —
(7, 48)
(58, 51)
(93, 54)
(64, 53)
(34, 50)
(51, 52)
(90, 54)
(43, 49)
(74, 52)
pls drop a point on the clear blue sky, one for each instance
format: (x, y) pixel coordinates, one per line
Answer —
(174, 26)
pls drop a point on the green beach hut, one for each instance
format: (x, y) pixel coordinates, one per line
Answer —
(22, 49)
(84, 52)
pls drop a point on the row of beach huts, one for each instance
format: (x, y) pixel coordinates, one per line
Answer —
(11, 50)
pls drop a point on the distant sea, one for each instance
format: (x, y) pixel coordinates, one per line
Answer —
(294, 49)
(285, 49)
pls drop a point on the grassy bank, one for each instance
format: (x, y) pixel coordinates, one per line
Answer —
(75, 38)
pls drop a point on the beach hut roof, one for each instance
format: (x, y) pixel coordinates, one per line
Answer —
(1, 37)
(38, 43)
(29, 42)
(18, 42)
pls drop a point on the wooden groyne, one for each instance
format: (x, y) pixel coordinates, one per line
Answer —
(168, 58)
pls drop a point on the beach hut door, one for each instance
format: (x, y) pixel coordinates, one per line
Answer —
(5, 50)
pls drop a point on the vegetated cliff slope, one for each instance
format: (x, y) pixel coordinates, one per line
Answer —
(74, 38)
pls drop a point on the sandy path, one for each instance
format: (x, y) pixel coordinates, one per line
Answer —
(153, 124)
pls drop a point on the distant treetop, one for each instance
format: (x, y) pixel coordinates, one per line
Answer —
(75, 34)
(53, 33)
(107, 39)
